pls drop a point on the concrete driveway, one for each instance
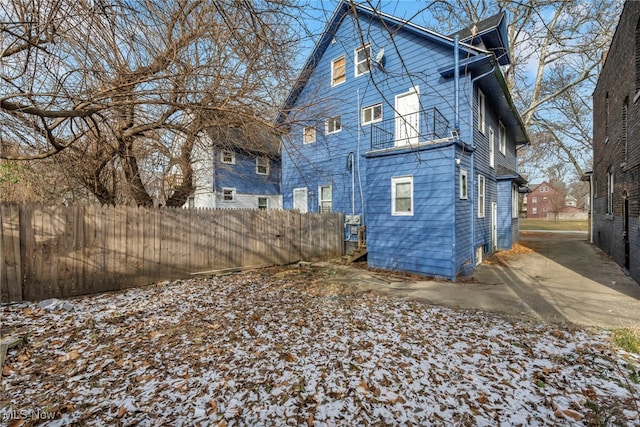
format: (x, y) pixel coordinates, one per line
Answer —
(564, 278)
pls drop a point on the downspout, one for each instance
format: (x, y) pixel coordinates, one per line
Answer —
(472, 167)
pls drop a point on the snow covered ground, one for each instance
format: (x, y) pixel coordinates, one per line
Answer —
(272, 348)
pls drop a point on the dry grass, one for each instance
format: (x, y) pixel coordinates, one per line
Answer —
(500, 257)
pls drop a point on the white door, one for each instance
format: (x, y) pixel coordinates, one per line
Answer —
(494, 226)
(300, 199)
(407, 118)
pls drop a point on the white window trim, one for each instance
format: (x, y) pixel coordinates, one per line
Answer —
(482, 195)
(372, 108)
(492, 148)
(464, 189)
(304, 134)
(534, 210)
(233, 194)
(401, 180)
(266, 159)
(233, 157)
(266, 204)
(326, 125)
(502, 138)
(534, 200)
(333, 83)
(367, 59)
(321, 200)
(481, 111)
(305, 193)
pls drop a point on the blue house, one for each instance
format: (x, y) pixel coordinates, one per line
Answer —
(410, 133)
(237, 168)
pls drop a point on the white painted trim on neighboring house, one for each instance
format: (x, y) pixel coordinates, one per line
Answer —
(301, 199)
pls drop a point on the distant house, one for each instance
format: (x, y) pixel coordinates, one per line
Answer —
(616, 146)
(544, 201)
(237, 168)
(410, 133)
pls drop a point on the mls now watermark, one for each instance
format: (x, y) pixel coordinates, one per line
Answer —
(26, 414)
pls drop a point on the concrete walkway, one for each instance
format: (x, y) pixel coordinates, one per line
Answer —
(564, 279)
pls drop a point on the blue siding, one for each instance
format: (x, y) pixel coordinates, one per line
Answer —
(325, 161)
(243, 177)
(464, 215)
(424, 242)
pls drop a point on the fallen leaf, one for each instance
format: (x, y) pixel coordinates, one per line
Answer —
(72, 355)
(572, 414)
(121, 412)
(7, 370)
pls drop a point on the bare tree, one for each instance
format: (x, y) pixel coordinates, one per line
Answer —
(119, 90)
(557, 50)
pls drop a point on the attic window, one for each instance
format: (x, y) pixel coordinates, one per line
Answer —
(362, 58)
(338, 71)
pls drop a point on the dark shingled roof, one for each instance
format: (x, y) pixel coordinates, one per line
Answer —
(480, 27)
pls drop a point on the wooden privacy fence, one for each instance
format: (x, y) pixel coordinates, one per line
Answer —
(65, 251)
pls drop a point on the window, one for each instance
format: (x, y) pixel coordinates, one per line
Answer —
(228, 194)
(492, 148)
(309, 134)
(544, 189)
(338, 71)
(481, 111)
(228, 157)
(502, 138)
(610, 182)
(515, 206)
(262, 165)
(372, 114)
(481, 196)
(544, 209)
(625, 130)
(300, 199)
(534, 211)
(534, 200)
(191, 202)
(545, 198)
(402, 195)
(263, 203)
(325, 199)
(464, 193)
(362, 60)
(333, 125)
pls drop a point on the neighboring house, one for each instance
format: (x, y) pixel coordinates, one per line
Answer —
(616, 146)
(237, 168)
(410, 133)
(544, 201)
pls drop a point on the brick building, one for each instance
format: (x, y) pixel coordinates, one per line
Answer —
(544, 201)
(616, 146)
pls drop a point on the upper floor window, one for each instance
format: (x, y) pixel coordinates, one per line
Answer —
(492, 148)
(309, 134)
(481, 202)
(326, 199)
(544, 189)
(362, 59)
(333, 125)
(481, 111)
(228, 157)
(372, 114)
(534, 200)
(338, 71)
(502, 138)
(402, 195)
(262, 165)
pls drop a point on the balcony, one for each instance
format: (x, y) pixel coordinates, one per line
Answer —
(409, 130)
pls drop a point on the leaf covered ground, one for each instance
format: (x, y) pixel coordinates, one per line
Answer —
(289, 347)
